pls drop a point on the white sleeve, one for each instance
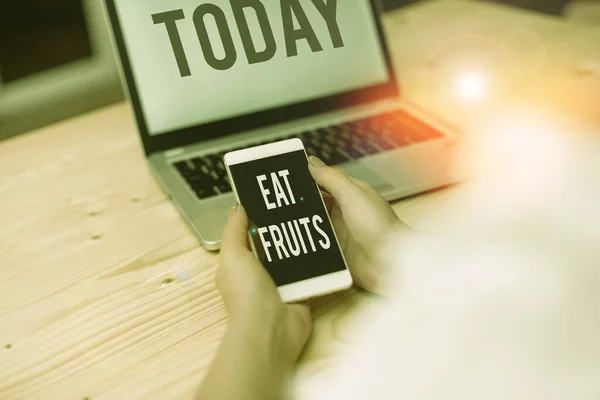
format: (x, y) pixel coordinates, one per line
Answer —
(507, 309)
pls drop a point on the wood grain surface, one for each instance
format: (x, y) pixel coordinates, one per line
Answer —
(104, 292)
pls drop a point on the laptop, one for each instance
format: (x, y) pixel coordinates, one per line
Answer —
(206, 77)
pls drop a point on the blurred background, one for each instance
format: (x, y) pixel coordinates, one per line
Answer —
(56, 59)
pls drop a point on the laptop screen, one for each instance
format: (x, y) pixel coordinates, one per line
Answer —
(197, 61)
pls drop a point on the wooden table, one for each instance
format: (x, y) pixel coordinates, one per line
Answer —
(88, 241)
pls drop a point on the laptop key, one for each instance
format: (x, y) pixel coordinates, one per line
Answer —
(203, 193)
(201, 183)
(326, 147)
(336, 159)
(315, 143)
(204, 169)
(357, 152)
(345, 156)
(311, 151)
(330, 139)
(368, 148)
(196, 179)
(190, 165)
(326, 156)
(382, 144)
(395, 137)
(225, 187)
(184, 168)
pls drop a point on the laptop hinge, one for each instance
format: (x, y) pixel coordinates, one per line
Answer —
(174, 152)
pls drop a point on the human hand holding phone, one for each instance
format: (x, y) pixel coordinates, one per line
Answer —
(262, 328)
(250, 294)
(363, 222)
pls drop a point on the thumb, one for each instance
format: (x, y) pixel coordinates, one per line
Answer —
(300, 323)
(343, 189)
(235, 235)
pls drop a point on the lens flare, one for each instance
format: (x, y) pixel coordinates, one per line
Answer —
(471, 85)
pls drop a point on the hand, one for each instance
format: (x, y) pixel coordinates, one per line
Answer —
(363, 222)
(251, 296)
(264, 337)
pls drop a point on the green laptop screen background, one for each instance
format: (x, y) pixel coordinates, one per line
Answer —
(197, 61)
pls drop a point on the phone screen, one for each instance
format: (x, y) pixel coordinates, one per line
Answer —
(289, 227)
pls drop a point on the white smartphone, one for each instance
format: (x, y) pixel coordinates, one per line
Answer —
(290, 230)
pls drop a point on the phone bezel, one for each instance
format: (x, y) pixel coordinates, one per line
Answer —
(316, 286)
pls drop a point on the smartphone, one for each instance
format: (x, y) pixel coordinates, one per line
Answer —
(290, 231)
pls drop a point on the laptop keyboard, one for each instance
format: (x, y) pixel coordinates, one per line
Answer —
(336, 144)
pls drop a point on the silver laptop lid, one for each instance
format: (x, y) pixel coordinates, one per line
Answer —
(200, 69)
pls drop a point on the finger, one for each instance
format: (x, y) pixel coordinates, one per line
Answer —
(300, 316)
(362, 184)
(323, 190)
(300, 322)
(235, 234)
(329, 202)
(335, 181)
(301, 311)
(235, 247)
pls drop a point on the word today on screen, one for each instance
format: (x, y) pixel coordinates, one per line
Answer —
(293, 17)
